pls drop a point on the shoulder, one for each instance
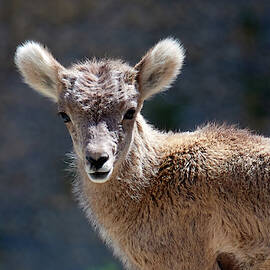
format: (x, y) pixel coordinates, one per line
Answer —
(213, 135)
(210, 151)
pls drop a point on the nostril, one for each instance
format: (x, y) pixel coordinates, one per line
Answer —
(97, 163)
(102, 160)
(90, 160)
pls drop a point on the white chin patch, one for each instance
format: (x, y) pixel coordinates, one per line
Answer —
(99, 177)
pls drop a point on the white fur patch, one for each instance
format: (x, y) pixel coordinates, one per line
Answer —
(38, 68)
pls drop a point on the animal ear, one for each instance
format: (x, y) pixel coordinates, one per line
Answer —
(159, 67)
(38, 68)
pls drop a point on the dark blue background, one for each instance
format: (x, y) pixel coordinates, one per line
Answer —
(225, 78)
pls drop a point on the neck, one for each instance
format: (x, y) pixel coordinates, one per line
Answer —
(141, 164)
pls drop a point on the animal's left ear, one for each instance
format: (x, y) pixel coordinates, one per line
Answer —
(159, 67)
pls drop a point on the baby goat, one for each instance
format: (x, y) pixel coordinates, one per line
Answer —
(163, 201)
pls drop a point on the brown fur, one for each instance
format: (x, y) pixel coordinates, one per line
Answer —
(208, 198)
(189, 201)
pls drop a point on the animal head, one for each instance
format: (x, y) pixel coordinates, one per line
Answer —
(100, 100)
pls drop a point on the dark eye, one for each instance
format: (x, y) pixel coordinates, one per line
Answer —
(65, 117)
(129, 114)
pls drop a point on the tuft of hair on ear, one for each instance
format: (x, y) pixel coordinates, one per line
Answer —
(159, 67)
(38, 68)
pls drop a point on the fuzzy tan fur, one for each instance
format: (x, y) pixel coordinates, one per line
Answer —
(191, 201)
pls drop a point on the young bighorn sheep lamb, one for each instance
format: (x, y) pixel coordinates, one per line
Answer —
(190, 201)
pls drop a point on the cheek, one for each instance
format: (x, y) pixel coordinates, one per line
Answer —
(125, 137)
(73, 134)
(76, 140)
(128, 126)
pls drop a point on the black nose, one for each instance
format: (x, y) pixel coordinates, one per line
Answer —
(97, 162)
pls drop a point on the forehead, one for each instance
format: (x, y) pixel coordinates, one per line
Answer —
(98, 86)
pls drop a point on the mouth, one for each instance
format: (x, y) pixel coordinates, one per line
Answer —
(99, 177)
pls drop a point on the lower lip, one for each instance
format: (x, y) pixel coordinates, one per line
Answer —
(99, 177)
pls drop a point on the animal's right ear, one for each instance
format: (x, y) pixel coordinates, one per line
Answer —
(39, 68)
(159, 67)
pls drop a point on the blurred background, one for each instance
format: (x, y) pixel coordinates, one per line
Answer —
(226, 78)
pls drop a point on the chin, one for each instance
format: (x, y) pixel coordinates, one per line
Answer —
(99, 177)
